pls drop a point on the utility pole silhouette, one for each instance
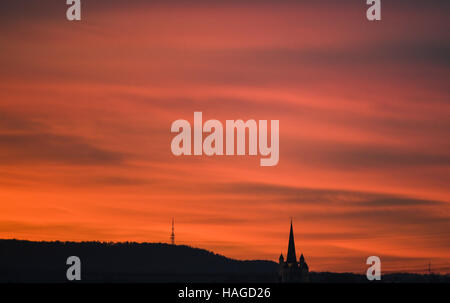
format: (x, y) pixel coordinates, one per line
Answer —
(172, 235)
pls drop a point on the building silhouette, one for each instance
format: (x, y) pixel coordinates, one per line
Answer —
(291, 270)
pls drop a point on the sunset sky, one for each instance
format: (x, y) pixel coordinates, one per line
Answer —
(364, 110)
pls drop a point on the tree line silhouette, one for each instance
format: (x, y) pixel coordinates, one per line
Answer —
(36, 262)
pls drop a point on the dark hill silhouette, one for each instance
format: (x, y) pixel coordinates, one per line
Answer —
(40, 262)
(27, 261)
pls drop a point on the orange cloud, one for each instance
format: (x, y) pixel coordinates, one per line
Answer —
(86, 109)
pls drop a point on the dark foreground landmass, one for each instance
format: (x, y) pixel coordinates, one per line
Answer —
(129, 262)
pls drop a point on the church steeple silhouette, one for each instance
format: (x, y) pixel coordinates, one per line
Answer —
(291, 255)
(291, 270)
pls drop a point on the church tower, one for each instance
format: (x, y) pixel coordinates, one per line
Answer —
(291, 255)
(291, 270)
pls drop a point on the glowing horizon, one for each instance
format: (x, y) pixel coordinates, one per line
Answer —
(364, 164)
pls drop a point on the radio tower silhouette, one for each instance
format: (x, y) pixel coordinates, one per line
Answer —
(172, 235)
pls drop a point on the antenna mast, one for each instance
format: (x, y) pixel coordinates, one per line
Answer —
(172, 235)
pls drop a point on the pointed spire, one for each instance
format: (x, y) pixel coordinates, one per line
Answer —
(291, 256)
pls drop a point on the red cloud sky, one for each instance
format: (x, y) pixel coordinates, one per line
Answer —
(86, 109)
